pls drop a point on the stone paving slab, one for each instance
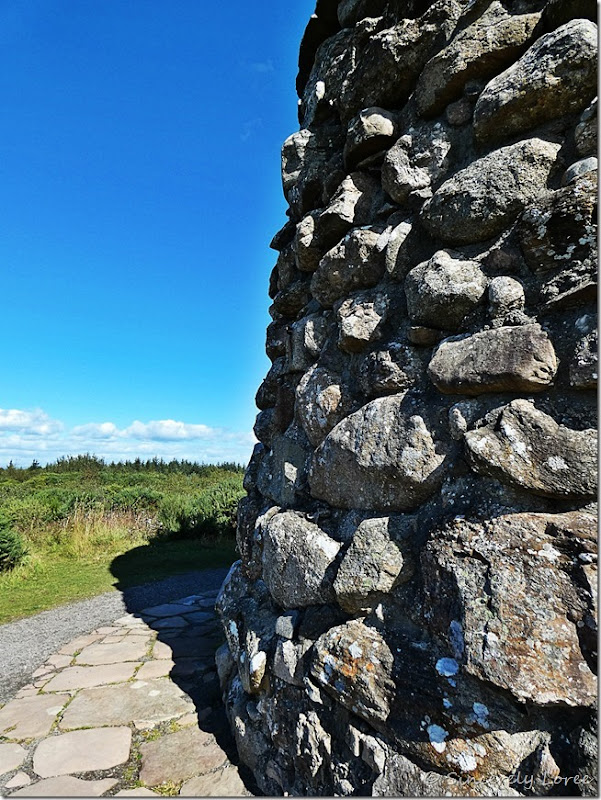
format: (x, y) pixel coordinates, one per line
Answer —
(167, 610)
(11, 757)
(88, 677)
(77, 644)
(169, 622)
(113, 704)
(138, 702)
(179, 756)
(66, 786)
(155, 669)
(225, 783)
(19, 779)
(97, 654)
(82, 751)
(30, 717)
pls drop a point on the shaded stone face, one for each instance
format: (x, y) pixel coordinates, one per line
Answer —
(297, 555)
(414, 612)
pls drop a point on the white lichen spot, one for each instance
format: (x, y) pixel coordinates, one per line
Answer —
(556, 463)
(290, 472)
(548, 551)
(355, 650)
(517, 445)
(465, 761)
(233, 629)
(320, 90)
(480, 445)
(478, 749)
(437, 736)
(257, 662)
(447, 667)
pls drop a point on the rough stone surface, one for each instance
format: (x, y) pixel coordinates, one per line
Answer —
(381, 457)
(373, 564)
(485, 197)
(528, 448)
(82, 751)
(416, 161)
(356, 263)
(66, 786)
(414, 610)
(369, 132)
(558, 239)
(495, 574)
(441, 291)
(360, 320)
(179, 756)
(558, 71)
(320, 403)
(508, 359)
(140, 701)
(493, 40)
(11, 757)
(296, 557)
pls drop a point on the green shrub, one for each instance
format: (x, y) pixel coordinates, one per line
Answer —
(210, 513)
(12, 546)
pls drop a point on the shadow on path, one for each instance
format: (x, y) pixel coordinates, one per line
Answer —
(189, 627)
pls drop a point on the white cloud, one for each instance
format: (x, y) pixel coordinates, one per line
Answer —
(95, 430)
(35, 422)
(167, 430)
(25, 435)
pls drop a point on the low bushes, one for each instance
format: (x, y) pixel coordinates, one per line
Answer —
(12, 546)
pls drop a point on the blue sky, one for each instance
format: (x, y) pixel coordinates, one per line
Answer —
(139, 190)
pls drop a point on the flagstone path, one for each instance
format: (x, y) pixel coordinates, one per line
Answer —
(132, 709)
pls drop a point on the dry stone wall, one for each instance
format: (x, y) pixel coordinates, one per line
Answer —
(414, 608)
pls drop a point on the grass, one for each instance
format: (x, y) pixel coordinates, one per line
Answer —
(43, 585)
(88, 531)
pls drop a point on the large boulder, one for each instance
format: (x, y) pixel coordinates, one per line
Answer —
(371, 131)
(509, 581)
(353, 663)
(360, 320)
(356, 263)
(382, 457)
(441, 291)
(479, 201)
(376, 560)
(419, 159)
(558, 71)
(528, 449)
(321, 403)
(298, 558)
(507, 359)
(490, 43)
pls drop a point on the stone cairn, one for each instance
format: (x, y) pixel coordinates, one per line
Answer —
(413, 611)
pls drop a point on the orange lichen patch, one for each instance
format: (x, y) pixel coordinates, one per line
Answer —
(346, 665)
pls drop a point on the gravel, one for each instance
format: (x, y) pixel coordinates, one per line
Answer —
(26, 644)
